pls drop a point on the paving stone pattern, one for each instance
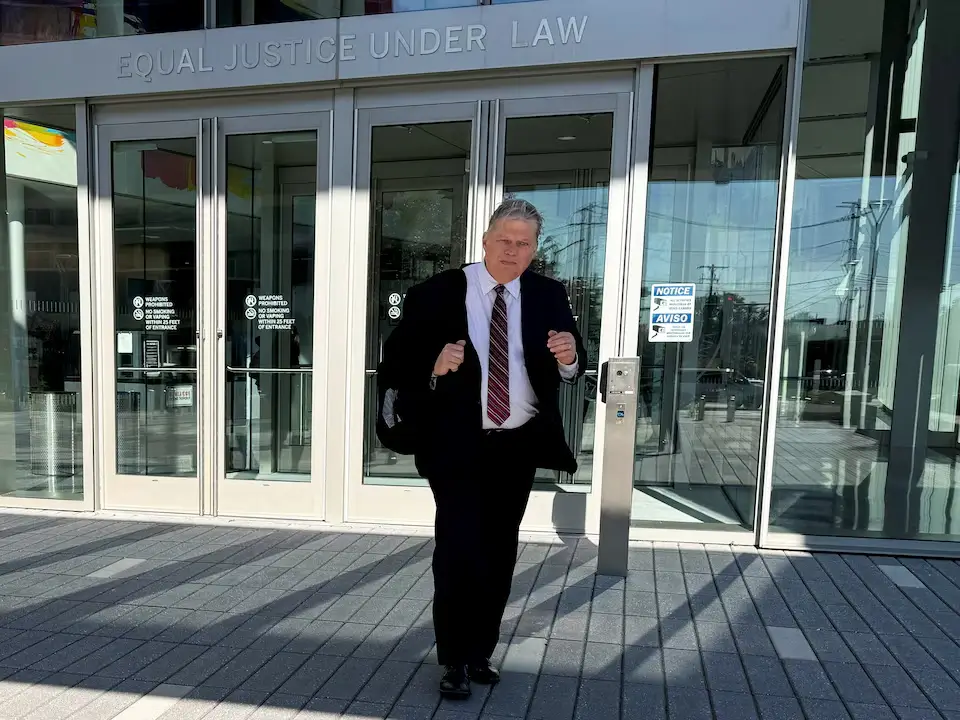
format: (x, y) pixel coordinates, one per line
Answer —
(110, 619)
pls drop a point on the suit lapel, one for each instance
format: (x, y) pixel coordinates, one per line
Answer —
(529, 309)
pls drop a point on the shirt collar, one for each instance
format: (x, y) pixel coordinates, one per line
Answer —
(487, 282)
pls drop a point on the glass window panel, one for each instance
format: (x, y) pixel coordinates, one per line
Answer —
(54, 20)
(261, 12)
(41, 453)
(870, 334)
(711, 219)
(562, 165)
(155, 276)
(231, 13)
(378, 7)
(271, 225)
(418, 196)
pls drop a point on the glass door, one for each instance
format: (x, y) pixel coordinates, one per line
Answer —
(271, 172)
(567, 156)
(149, 176)
(416, 167)
(428, 179)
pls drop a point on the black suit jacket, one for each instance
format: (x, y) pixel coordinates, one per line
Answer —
(448, 419)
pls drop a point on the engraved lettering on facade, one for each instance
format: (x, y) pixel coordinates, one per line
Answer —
(160, 68)
(453, 39)
(186, 62)
(248, 63)
(271, 54)
(143, 65)
(448, 40)
(434, 40)
(333, 53)
(346, 48)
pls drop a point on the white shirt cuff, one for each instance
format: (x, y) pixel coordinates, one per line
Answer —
(568, 372)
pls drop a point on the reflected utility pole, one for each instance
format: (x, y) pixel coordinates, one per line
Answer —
(713, 274)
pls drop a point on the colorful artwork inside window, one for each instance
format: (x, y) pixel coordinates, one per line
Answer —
(30, 21)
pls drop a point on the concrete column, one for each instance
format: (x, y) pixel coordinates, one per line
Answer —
(931, 169)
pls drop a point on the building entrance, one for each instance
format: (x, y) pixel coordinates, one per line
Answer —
(428, 177)
(208, 234)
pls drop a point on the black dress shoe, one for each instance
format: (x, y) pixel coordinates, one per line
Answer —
(455, 683)
(483, 673)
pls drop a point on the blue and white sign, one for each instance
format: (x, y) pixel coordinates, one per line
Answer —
(671, 312)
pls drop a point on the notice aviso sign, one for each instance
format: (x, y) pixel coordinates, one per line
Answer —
(345, 48)
(672, 308)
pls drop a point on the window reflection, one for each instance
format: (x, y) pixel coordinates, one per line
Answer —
(271, 220)
(41, 453)
(261, 12)
(155, 246)
(562, 165)
(711, 218)
(867, 439)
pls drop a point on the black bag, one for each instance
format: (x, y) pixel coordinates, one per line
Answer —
(395, 430)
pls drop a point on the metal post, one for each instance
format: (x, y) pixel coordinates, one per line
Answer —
(731, 408)
(618, 388)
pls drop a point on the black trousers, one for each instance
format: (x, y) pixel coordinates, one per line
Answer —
(479, 510)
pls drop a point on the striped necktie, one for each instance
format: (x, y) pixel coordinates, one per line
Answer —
(498, 385)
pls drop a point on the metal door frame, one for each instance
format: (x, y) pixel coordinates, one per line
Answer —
(579, 510)
(363, 503)
(262, 497)
(135, 492)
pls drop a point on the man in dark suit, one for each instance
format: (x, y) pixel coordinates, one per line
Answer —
(484, 351)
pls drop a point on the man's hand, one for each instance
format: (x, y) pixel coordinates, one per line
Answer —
(451, 357)
(563, 347)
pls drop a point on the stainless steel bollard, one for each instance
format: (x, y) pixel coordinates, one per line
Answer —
(701, 408)
(731, 408)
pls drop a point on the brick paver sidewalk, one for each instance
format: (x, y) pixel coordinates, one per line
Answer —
(107, 619)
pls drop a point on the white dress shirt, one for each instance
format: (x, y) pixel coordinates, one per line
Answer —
(480, 298)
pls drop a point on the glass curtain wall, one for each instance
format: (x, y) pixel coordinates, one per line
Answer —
(866, 440)
(40, 400)
(716, 154)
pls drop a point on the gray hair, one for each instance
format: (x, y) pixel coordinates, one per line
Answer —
(517, 209)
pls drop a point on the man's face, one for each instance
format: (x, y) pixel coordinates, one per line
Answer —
(509, 247)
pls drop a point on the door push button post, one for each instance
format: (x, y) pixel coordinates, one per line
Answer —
(618, 377)
(618, 390)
